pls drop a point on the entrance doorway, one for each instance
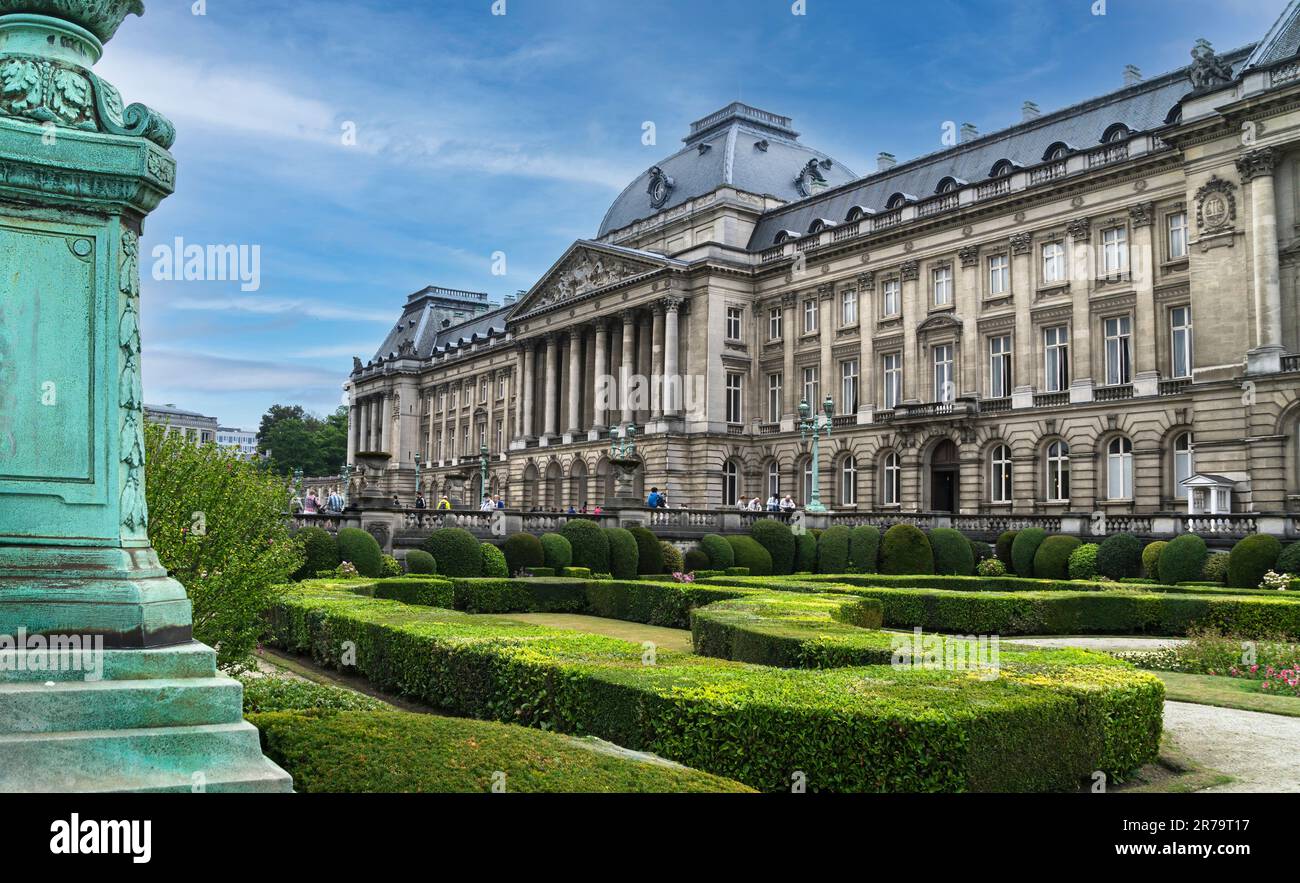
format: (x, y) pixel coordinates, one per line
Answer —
(944, 474)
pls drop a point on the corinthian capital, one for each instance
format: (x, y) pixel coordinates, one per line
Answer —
(1256, 164)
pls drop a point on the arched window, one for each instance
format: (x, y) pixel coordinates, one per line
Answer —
(1059, 150)
(948, 185)
(1184, 464)
(849, 482)
(1115, 134)
(1002, 168)
(730, 483)
(773, 480)
(891, 483)
(806, 482)
(1119, 469)
(779, 240)
(857, 213)
(1000, 474)
(898, 200)
(1058, 472)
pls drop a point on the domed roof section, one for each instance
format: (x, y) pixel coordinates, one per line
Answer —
(739, 146)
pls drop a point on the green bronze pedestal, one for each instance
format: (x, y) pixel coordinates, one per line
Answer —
(79, 171)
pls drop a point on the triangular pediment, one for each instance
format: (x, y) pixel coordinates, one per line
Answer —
(586, 268)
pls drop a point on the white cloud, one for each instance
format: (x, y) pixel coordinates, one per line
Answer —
(268, 306)
(186, 371)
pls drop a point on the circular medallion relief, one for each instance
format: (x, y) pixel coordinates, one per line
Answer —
(1215, 211)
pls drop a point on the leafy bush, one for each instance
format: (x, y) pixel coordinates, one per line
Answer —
(749, 553)
(557, 551)
(523, 550)
(1289, 560)
(991, 567)
(1151, 559)
(577, 572)
(1251, 559)
(362, 551)
(1025, 548)
(494, 561)
(421, 562)
(1003, 547)
(456, 550)
(673, 560)
(697, 559)
(624, 555)
(952, 552)
(778, 539)
(590, 544)
(650, 554)
(1183, 560)
(1216, 567)
(275, 693)
(320, 552)
(1052, 560)
(719, 551)
(864, 549)
(806, 552)
(1083, 562)
(389, 566)
(833, 550)
(1120, 557)
(905, 549)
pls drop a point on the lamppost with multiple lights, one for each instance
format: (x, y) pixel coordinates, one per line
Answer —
(810, 423)
(483, 466)
(346, 477)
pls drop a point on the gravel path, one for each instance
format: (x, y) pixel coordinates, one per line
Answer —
(1260, 751)
(1104, 644)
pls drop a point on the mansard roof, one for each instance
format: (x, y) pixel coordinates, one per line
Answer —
(1281, 43)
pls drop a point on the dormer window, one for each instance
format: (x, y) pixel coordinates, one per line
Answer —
(1115, 134)
(857, 213)
(818, 226)
(1058, 151)
(1002, 169)
(898, 200)
(949, 185)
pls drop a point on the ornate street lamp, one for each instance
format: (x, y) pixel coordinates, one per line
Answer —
(416, 455)
(483, 465)
(346, 478)
(808, 423)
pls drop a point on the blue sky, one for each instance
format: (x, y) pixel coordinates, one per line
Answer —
(478, 133)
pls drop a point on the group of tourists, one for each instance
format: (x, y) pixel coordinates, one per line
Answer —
(313, 505)
(784, 504)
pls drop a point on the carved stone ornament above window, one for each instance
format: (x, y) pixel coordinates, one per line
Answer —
(970, 257)
(1021, 243)
(1080, 229)
(1216, 205)
(911, 271)
(660, 187)
(1142, 215)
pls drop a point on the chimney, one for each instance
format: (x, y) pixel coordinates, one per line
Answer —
(1132, 75)
(885, 162)
(1030, 111)
(969, 132)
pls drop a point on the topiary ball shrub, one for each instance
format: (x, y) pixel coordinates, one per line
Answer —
(590, 544)
(1120, 557)
(650, 555)
(721, 555)
(1052, 560)
(523, 550)
(777, 538)
(390, 567)
(952, 553)
(1289, 560)
(980, 551)
(557, 552)
(457, 552)
(1083, 562)
(991, 567)
(420, 562)
(1183, 560)
(494, 562)
(624, 557)
(864, 549)
(1251, 559)
(806, 554)
(320, 552)
(750, 554)
(833, 550)
(673, 560)
(1024, 548)
(361, 550)
(697, 559)
(1003, 547)
(1216, 568)
(1151, 559)
(905, 550)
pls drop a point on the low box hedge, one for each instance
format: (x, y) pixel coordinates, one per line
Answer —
(793, 631)
(408, 590)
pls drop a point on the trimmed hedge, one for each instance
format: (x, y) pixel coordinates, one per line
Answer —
(557, 553)
(1083, 562)
(778, 539)
(420, 562)
(793, 631)
(1251, 559)
(833, 550)
(674, 562)
(864, 549)
(719, 551)
(1002, 548)
(952, 552)
(523, 550)
(1183, 559)
(494, 561)
(456, 550)
(576, 572)
(1289, 560)
(906, 550)
(749, 553)
(1052, 560)
(426, 592)
(1151, 560)
(806, 552)
(362, 550)
(696, 559)
(1120, 557)
(590, 545)
(320, 552)
(1216, 567)
(650, 554)
(624, 558)
(1024, 549)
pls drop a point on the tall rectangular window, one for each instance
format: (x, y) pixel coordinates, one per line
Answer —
(1053, 263)
(1056, 347)
(849, 386)
(1177, 236)
(942, 284)
(849, 309)
(810, 316)
(1180, 341)
(1114, 250)
(775, 323)
(1119, 350)
(734, 317)
(500, 434)
(811, 392)
(774, 402)
(483, 390)
(735, 398)
(891, 299)
(999, 275)
(892, 372)
(944, 388)
(1000, 366)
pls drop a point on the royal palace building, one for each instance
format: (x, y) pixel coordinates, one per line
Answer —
(1086, 312)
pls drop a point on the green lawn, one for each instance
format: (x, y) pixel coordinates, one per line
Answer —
(1226, 693)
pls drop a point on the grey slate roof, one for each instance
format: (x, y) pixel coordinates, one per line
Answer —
(1282, 42)
(420, 323)
(733, 157)
(1142, 107)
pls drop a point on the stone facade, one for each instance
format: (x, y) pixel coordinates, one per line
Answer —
(1068, 316)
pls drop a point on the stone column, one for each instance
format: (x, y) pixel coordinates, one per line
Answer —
(829, 385)
(575, 385)
(916, 375)
(967, 297)
(644, 369)
(602, 369)
(526, 428)
(628, 367)
(1142, 254)
(386, 423)
(672, 358)
(867, 312)
(657, 359)
(551, 425)
(1082, 269)
(1256, 169)
(790, 384)
(354, 427)
(446, 417)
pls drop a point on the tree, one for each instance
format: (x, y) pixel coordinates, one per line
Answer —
(297, 439)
